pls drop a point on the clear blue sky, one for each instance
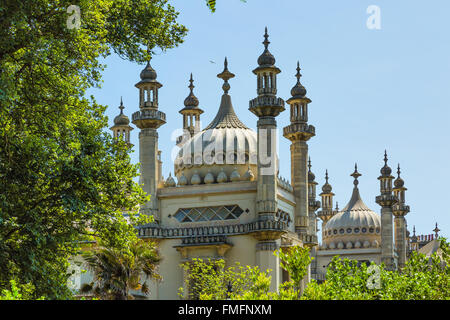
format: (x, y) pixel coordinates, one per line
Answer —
(371, 90)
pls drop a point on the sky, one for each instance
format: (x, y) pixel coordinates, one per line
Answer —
(371, 89)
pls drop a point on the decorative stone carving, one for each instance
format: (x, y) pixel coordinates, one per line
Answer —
(248, 175)
(209, 178)
(170, 182)
(195, 179)
(182, 181)
(222, 176)
(235, 176)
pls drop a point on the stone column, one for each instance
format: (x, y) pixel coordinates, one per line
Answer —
(387, 247)
(265, 259)
(400, 239)
(267, 168)
(148, 150)
(299, 160)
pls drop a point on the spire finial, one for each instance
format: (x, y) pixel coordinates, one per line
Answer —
(436, 231)
(191, 84)
(356, 175)
(385, 157)
(337, 206)
(121, 107)
(398, 170)
(266, 39)
(309, 164)
(298, 74)
(414, 230)
(326, 175)
(225, 75)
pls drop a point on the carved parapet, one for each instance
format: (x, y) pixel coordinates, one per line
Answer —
(301, 221)
(309, 240)
(299, 131)
(267, 105)
(386, 200)
(313, 204)
(400, 209)
(148, 118)
(155, 231)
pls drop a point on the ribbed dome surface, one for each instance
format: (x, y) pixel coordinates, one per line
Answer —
(355, 214)
(226, 143)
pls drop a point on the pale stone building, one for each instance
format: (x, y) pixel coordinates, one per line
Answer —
(226, 200)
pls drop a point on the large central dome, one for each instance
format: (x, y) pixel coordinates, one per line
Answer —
(225, 145)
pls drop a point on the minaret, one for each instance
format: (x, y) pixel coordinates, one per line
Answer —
(121, 128)
(327, 202)
(299, 132)
(149, 119)
(400, 210)
(313, 204)
(191, 115)
(386, 200)
(267, 106)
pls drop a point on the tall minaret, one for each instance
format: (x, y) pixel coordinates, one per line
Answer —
(327, 202)
(267, 106)
(121, 128)
(299, 132)
(386, 200)
(191, 115)
(400, 210)
(149, 119)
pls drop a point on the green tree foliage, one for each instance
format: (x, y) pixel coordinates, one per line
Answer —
(211, 280)
(16, 292)
(211, 4)
(116, 272)
(422, 278)
(63, 180)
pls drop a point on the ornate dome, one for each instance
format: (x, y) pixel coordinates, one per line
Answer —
(226, 144)
(355, 223)
(148, 73)
(298, 90)
(266, 58)
(121, 119)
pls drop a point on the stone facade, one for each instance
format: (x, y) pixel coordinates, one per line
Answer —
(227, 201)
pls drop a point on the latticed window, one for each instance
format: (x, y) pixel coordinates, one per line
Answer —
(208, 213)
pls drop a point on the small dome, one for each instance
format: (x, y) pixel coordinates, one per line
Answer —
(327, 188)
(196, 178)
(366, 244)
(349, 245)
(235, 176)
(298, 90)
(148, 73)
(121, 120)
(170, 182)
(399, 183)
(222, 177)
(311, 176)
(357, 244)
(191, 100)
(182, 181)
(266, 58)
(332, 245)
(209, 178)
